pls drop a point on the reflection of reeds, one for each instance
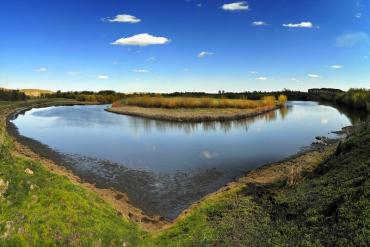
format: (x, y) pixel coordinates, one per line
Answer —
(189, 102)
(283, 111)
(208, 126)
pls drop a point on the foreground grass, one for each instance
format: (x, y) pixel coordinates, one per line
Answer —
(44, 209)
(328, 207)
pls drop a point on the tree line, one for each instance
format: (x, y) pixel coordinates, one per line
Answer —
(353, 98)
(12, 95)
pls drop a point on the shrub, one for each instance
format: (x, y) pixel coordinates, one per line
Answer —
(356, 98)
(268, 101)
(282, 99)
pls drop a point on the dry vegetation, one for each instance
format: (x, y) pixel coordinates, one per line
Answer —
(192, 102)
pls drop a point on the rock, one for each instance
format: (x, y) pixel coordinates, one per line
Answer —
(9, 228)
(28, 171)
(3, 186)
(34, 198)
(32, 187)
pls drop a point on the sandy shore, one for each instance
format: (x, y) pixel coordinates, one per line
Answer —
(191, 115)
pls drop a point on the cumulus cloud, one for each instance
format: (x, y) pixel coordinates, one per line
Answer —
(262, 78)
(123, 18)
(74, 72)
(352, 39)
(103, 77)
(313, 76)
(304, 24)
(143, 39)
(336, 66)
(40, 70)
(140, 70)
(204, 53)
(237, 6)
(259, 23)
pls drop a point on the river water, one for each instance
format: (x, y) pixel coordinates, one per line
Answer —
(166, 166)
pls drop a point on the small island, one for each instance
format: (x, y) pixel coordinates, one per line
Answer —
(195, 109)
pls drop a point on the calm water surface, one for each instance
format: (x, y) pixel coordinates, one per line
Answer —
(165, 166)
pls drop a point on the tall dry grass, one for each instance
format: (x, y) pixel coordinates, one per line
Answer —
(192, 102)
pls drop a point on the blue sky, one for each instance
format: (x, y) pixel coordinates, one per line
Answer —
(184, 45)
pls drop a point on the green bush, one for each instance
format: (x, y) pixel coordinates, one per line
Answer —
(355, 98)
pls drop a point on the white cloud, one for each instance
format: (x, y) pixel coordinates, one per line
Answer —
(253, 72)
(124, 18)
(259, 23)
(140, 71)
(103, 77)
(262, 78)
(114, 63)
(313, 75)
(358, 15)
(143, 39)
(75, 72)
(204, 53)
(352, 39)
(336, 66)
(39, 70)
(296, 80)
(235, 6)
(304, 24)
